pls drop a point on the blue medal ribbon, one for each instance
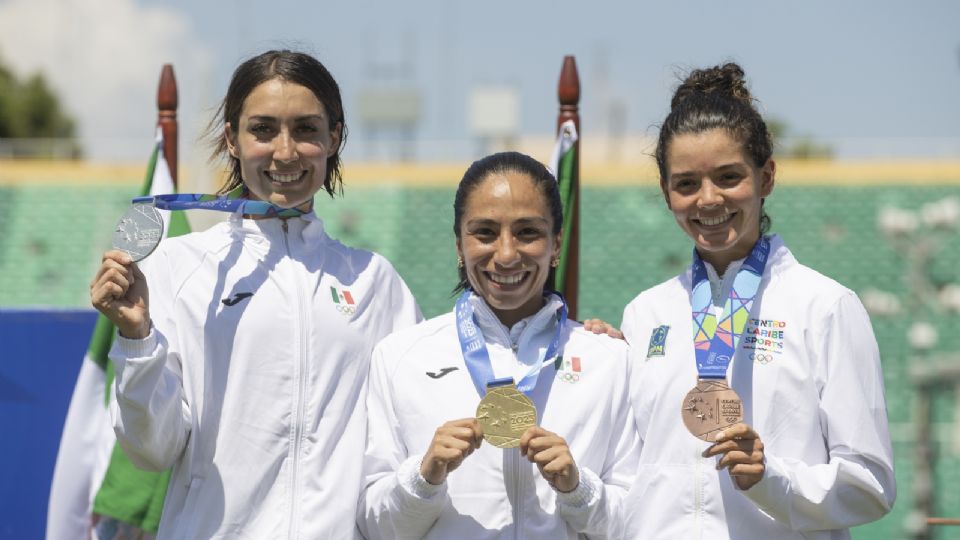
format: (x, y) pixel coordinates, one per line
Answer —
(230, 202)
(475, 354)
(716, 342)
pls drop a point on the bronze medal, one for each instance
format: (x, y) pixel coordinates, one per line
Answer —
(710, 407)
(505, 413)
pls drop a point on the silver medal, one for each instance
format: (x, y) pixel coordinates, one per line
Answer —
(139, 231)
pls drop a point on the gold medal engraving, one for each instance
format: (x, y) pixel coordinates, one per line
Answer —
(710, 407)
(505, 413)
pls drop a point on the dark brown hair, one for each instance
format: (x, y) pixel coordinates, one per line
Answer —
(500, 163)
(717, 98)
(290, 66)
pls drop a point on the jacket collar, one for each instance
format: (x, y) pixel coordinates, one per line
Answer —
(533, 329)
(780, 257)
(308, 227)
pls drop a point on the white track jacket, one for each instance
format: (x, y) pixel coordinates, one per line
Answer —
(419, 381)
(808, 371)
(251, 382)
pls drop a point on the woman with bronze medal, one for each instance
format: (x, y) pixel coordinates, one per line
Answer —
(535, 438)
(756, 387)
(240, 368)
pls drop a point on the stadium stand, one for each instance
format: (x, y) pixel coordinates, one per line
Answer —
(51, 237)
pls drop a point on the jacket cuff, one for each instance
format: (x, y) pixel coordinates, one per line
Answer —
(772, 490)
(585, 495)
(410, 480)
(136, 348)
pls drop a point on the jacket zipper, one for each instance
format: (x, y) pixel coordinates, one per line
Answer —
(515, 455)
(301, 391)
(517, 477)
(698, 496)
(518, 514)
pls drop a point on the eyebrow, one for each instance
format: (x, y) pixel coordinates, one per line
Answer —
(268, 118)
(523, 220)
(734, 165)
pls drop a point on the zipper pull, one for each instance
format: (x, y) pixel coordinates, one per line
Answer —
(283, 225)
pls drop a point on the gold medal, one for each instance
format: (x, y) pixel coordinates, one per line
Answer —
(710, 407)
(505, 413)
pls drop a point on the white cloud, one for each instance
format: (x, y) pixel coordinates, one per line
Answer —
(103, 57)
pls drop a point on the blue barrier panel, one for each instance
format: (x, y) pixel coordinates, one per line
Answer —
(42, 351)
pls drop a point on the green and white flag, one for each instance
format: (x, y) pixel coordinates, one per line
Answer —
(91, 474)
(561, 163)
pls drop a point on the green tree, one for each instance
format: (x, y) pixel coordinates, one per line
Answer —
(8, 92)
(29, 110)
(790, 146)
(42, 115)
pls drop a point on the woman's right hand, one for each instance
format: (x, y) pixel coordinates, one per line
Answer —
(599, 326)
(119, 291)
(451, 444)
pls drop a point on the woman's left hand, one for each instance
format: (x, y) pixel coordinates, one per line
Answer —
(552, 456)
(741, 452)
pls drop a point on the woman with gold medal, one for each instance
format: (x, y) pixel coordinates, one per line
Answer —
(502, 418)
(756, 385)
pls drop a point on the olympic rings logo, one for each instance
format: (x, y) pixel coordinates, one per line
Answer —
(761, 358)
(567, 376)
(346, 310)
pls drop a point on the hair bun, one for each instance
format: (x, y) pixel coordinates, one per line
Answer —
(723, 81)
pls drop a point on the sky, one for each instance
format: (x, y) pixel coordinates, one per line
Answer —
(871, 77)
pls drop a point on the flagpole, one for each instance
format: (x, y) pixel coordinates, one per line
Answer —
(568, 93)
(167, 117)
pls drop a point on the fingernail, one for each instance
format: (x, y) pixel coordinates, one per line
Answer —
(718, 437)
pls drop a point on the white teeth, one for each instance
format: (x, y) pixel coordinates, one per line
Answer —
(506, 280)
(284, 178)
(710, 222)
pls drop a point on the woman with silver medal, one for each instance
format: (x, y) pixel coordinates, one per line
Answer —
(236, 368)
(501, 419)
(784, 432)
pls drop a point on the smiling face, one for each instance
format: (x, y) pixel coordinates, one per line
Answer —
(715, 194)
(282, 141)
(507, 243)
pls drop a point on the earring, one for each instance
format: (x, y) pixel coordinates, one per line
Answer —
(555, 262)
(459, 261)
